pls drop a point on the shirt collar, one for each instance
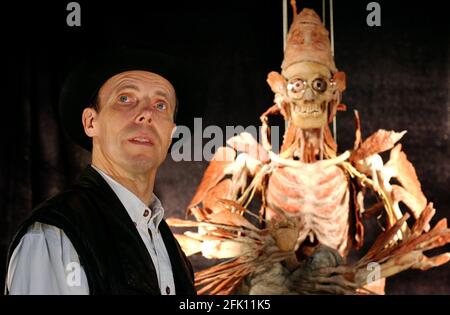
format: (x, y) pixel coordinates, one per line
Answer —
(137, 210)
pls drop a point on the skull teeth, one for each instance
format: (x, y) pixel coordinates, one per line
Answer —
(313, 110)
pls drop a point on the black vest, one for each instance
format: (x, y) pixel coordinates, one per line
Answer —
(112, 253)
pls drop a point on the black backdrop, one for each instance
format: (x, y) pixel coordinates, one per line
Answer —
(397, 78)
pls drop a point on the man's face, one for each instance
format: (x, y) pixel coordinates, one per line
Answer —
(133, 127)
(310, 92)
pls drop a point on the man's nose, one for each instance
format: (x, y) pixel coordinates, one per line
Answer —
(145, 116)
(309, 94)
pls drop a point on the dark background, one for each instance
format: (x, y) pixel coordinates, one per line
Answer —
(397, 77)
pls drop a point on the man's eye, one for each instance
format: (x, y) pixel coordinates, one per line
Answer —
(124, 99)
(161, 106)
(319, 85)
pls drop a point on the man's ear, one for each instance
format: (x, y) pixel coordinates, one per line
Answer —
(89, 118)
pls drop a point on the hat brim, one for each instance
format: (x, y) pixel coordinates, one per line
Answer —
(83, 83)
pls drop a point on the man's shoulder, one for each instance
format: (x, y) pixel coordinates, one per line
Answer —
(70, 210)
(55, 211)
(67, 208)
(63, 201)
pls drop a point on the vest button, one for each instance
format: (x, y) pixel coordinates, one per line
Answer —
(146, 213)
(167, 290)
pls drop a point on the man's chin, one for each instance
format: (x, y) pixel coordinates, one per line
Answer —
(141, 164)
(143, 160)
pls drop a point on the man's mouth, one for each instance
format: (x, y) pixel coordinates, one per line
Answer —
(141, 141)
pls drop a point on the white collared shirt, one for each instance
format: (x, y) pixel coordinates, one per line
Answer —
(45, 261)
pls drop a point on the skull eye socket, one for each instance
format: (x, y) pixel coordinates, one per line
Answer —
(296, 87)
(319, 85)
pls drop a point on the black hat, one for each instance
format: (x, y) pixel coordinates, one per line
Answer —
(83, 83)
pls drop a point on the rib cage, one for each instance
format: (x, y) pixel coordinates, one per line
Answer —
(317, 197)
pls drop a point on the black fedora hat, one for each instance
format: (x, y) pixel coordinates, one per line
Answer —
(83, 83)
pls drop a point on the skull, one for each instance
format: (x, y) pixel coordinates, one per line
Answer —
(311, 94)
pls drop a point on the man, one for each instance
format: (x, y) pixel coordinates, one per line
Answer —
(106, 234)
